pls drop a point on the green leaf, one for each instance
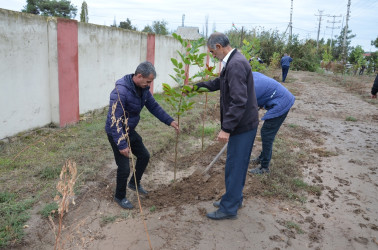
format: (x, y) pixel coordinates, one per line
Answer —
(187, 88)
(203, 89)
(174, 61)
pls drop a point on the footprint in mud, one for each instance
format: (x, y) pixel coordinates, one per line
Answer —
(314, 236)
(353, 204)
(365, 217)
(325, 215)
(309, 219)
(373, 226)
(317, 179)
(276, 238)
(261, 226)
(288, 233)
(358, 211)
(362, 240)
(355, 195)
(342, 181)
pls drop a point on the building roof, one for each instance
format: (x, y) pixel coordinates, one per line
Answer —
(190, 33)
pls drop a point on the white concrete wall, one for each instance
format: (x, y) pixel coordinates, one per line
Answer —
(24, 72)
(105, 55)
(166, 47)
(29, 87)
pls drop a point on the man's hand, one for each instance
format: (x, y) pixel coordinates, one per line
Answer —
(223, 136)
(175, 125)
(373, 96)
(125, 152)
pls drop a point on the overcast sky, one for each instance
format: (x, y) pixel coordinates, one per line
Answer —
(267, 14)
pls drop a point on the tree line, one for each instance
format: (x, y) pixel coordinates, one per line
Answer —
(269, 45)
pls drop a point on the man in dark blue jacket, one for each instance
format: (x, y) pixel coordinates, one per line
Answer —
(285, 65)
(239, 121)
(277, 100)
(130, 95)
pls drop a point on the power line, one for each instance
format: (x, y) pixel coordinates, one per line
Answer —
(320, 22)
(346, 30)
(333, 26)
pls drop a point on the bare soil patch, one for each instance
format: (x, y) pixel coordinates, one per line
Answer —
(334, 154)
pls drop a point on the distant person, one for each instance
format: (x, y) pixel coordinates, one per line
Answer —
(277, 100)
(374, 89)
(363, 67)
(285, 65)
(132, 93)
(239, 121)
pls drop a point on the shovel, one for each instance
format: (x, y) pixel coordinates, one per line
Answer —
(206, 176)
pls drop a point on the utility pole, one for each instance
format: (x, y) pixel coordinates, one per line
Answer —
(320, 22)
(241, 37)
(345, 32)
(290, 25)
(333, 27)
(291, 22)
(183, 20)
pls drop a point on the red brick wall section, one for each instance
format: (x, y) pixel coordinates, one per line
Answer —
(151, 54)
(68, 71)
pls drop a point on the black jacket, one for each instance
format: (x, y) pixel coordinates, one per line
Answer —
(374, 89)
(238, 104)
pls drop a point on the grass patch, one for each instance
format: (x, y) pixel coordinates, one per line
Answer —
(49, 209)
(152, 209)
(293, 125)
(322, 152)
(108, 219)
(293, 225)
(351, 119)
(285, 179)
(13, 215)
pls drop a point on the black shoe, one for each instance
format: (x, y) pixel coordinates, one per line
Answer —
(259, 170)
(124, 203)
(140, 188)
(255, 161)
(218, 215)
(217, 204)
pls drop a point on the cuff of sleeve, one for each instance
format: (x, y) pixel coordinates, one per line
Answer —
(227, 130)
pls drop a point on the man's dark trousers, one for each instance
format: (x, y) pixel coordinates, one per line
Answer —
(123, 171)
(268, 132)
(285, 70)
(239, 150)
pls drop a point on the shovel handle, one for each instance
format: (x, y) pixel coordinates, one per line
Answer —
(215, 159)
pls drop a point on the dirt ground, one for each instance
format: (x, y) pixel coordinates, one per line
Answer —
(344, 216)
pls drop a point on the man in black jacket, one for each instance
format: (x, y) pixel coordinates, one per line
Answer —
(374, 89)
(239, 121)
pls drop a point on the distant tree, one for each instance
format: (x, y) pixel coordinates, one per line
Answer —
(31, 7)
(158, 27)
(127, 25)
(61, 8)
(337, 50)
(148, 29)
(375, 42)
(356, 54)
(84, 12)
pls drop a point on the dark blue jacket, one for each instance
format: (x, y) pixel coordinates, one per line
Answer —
(272, 96)
(133, 105)
(286, 60)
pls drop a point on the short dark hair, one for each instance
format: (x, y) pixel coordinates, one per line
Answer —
(146, 69)
(219, 38)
